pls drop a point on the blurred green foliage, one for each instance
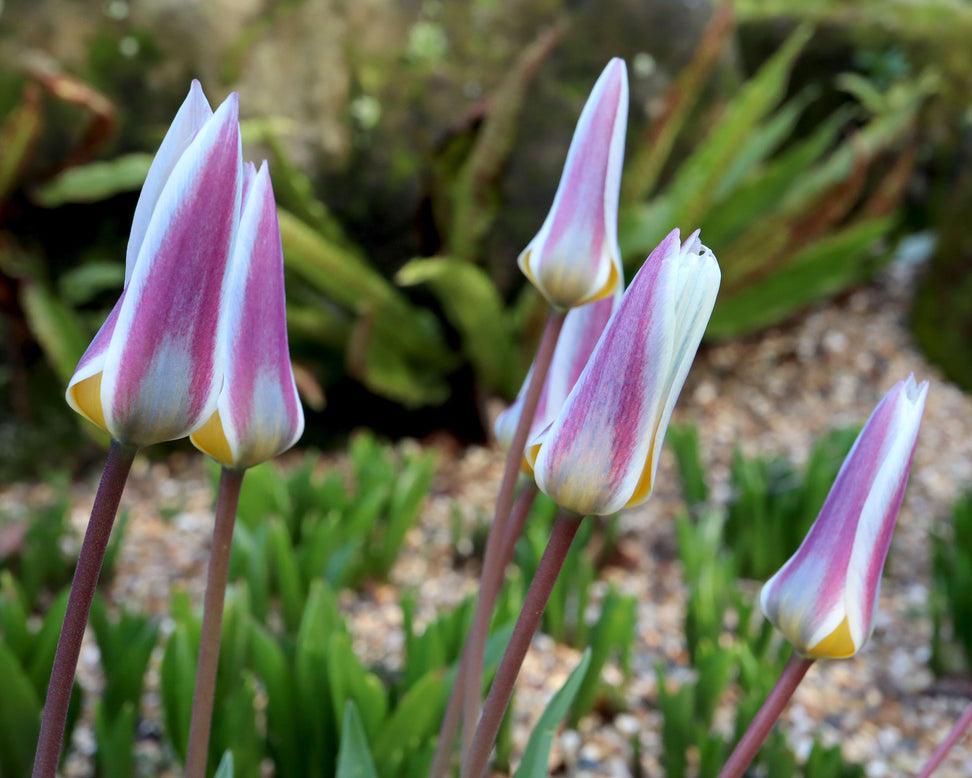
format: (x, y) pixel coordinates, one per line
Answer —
(39, 546)
(735, 653)
(771, 504)
(296, 526)
(27, 647)
(570, 616)
(792, 218)
(797, 199)
(951, 595)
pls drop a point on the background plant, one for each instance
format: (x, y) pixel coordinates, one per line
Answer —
(771, 504)
(799, 184)
(570, 616)
(731, 649)
(951, 595)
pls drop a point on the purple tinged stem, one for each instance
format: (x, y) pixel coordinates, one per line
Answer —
(746, 749)
(493, 567)
(493, 563)
(489, 592)
(90, 559)
(561, 536)
(946, 745)
(212, 625)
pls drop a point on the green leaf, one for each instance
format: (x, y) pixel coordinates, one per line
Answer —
(94, 181)
(55, 326)
(414, 719)
(115, 740)
(691, 193)
(225, 769)
(475, 197)
(19, 132)
(613, 632)
(20, 709)
(386, 369)
(474, 307)
(823, 268)
(534, 763)
(284, 565)
(347, 279)
(649, 157)
(354, 757)
(177, 680)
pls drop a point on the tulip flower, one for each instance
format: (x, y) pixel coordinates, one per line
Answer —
(601, 452)
(582, 329)
(150, 373)
(574, 258)
(824, 598)
(258, 413)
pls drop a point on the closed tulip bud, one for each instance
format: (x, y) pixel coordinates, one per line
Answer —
(258, 414)
(575, 257)
(582, 328)
(824, 598)
(601, 452)
(150, 373)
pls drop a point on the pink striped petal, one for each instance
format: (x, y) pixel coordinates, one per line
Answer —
(160, 380)
(601, 452)
(824, 598)
(259, 413)
(575, 257)
(190, 117)
(582, 329)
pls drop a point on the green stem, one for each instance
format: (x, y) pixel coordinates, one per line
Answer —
(561, 536)
(745, 751)
(212, 625)
(946, 745)
(493, 564)
(54, 719)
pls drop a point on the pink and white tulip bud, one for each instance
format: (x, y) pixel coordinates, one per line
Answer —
(601, 452)
(258, 414)
(150, 373)
(582, 329)
(824, 598)
(575, 258)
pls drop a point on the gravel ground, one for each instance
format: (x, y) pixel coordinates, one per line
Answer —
(773, 393)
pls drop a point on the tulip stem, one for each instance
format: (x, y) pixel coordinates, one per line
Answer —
(90, 559)
(466, 688)
(489, 591)
(745, 751)
(201, 721)
(561, 536)
(494, 565)
(946, 745)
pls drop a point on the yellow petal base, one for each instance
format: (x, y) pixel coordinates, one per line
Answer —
(87, 399)
(210, 439)
(837, 645)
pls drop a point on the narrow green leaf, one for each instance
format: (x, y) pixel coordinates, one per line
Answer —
(474, 307)
(823, 268)
(94, 181)
(115, 741)
(354, 757)
(414, 719)
(20, 709)
(19, 132)
(55, 326)
(534, 763)
(225, 769)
